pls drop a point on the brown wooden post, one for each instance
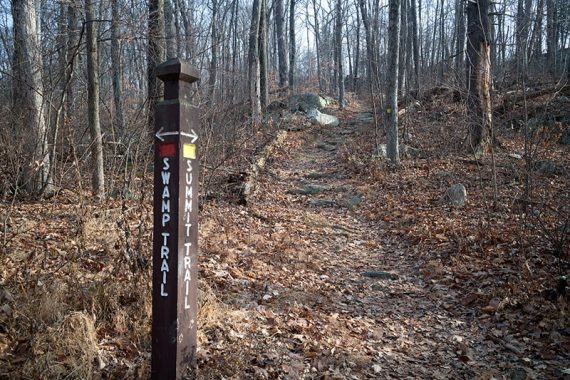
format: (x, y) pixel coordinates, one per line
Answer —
(175, 243)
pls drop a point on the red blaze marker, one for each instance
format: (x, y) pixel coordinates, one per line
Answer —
(167, 149)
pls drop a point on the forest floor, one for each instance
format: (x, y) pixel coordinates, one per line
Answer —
(347, 273)
(338, 267)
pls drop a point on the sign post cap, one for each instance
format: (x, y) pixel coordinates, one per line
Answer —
(176, 69)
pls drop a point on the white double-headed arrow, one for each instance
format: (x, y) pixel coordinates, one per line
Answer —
(160, 134)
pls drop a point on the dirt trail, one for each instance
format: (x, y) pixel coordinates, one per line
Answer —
(352, 294)
(331, 294)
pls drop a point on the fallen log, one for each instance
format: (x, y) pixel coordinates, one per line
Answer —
(258, 165)
(510, 99)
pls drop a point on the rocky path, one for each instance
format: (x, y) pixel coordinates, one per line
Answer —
(334, 295)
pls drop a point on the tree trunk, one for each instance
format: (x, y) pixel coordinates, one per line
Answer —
(356, 53)
(521, 31)
(442, 68)
(281, 45)
(478, 75)
(318, 45)
(116, 66)
(97, 176)
(235, 45)
(29, 115)
(253, 58)
(263, 82)
(338, 38)
(170, 31)
(460, 44)
(403, 46)
(392, 89)
(415, 42)
(372, 68)
(551, 21)
(186, 16)
(535, 46)
(214, 50)
(155, 54)
(292, 47)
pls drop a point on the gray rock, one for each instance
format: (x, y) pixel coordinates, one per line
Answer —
(364, 117)
(309, 188)
(276, 105)
(455, 195)
(317, 117)
(518, 374)
(443, 174)
(404, 150)
(547, 167)
(329, 100)
(380, 151)
(306, 102)
(322, 202)
(346, 132)
(319, 175)
(342, 189)
(354, 201)
(381, 275)
(326, 146)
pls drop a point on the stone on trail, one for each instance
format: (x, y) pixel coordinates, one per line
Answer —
(354, 201)
(308, 189)
(322, 202)
(405, 150)
(381, 275)
(547, 167)
(455, 195)
(306, 102)
(317, 117)
(319, 175)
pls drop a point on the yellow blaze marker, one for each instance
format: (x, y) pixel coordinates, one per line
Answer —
(189, 151)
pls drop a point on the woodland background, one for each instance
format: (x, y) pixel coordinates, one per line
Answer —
(77, 90)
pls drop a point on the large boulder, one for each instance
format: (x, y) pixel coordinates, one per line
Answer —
(317, 117)
(307, 102)
(455, 195)
(404, 150)
(547, 167)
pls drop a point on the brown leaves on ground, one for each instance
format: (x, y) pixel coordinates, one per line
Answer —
(338, 268)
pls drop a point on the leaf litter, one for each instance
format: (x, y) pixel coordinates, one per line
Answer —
(396, 285)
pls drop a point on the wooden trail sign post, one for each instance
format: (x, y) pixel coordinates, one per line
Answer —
(175, 242)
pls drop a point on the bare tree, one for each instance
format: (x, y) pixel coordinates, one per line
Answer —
(371, 50)
(551, 34)
(263, 80)
(155, 52)
(97, 175)
(392, 79)
(460, 39)
(338, 38)
(28, 110)
(170, 30)
(253, 59)
(292, 40)
(281, 45)
(415, 42)
(116, 66)
(214, 50)
(478, 75)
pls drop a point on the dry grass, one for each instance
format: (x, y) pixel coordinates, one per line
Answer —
(67, 349)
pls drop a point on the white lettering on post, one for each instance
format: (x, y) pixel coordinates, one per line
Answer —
(188, 206)
(165, 211)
